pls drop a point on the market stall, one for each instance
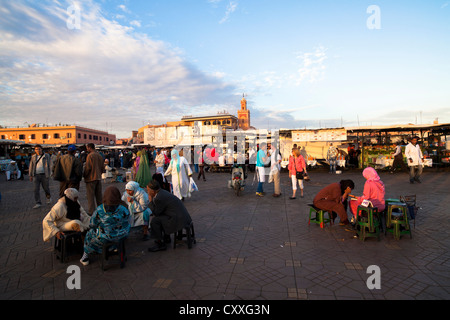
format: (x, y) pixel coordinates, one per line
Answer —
(376, 144)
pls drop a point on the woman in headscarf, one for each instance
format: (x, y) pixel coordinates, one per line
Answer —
(109, 223)
(374, 191)
(181, 172)
(143, 175)
(66, 215)
(136, 200)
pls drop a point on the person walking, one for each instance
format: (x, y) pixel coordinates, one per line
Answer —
(201, 166)
(181, 173)
(398, 158)
(68, 171)
(415, 160)
(92, 174)
(40, 174)
(275, 170)
(261, 159)
(297, 169)
(143, 174)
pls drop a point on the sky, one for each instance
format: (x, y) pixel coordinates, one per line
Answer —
(121, 64)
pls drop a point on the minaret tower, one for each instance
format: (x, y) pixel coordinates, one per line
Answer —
(244, 115)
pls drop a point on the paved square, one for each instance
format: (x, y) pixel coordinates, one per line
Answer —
(247, 247)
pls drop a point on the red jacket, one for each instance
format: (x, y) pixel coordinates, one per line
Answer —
(299, 166)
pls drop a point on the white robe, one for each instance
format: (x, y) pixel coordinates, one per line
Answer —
(414, 153)
(138, 208)
(56, 220)
(180, 180)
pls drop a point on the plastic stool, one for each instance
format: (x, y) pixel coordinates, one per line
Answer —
(367, 223)
(119, 250)
(189, 234)
(396, 221)
(71, 243)
(319, 219)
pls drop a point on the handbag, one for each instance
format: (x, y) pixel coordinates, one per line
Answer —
(306, 176)
(299, 175)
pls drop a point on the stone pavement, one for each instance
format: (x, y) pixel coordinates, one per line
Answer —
(248, 248)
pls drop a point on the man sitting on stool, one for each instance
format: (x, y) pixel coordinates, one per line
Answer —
(12, 170)
(168, 212)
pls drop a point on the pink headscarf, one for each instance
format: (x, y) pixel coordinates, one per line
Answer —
(371, 175)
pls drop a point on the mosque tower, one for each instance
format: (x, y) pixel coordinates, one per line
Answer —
(244, 115)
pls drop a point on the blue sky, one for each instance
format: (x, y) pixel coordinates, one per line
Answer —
(300, 63)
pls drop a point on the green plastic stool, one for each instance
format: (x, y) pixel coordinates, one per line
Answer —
(367, 223)
(319, 218)
(397, 223)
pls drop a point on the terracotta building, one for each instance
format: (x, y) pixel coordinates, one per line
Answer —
(58, 135)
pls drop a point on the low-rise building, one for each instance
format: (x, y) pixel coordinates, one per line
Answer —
(57, 135)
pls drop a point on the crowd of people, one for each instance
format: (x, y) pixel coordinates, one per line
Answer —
(148, 201)
(154, 203)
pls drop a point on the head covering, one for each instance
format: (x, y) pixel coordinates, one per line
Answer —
(175, 156)
(132, 185)
(73, 207)
(72, 148)
(71, 193)
(371, 175)
(112, 197)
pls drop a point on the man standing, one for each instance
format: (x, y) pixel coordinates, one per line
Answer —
(159, 162)
(93, 177)
(40, 174)
(332, 158)
(415, 160)
(275, 160)
(68, 171)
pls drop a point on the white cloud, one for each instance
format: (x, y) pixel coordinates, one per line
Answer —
(312, 67)
(123, 8)
(232, 6)
(135, 23)
(104, 72)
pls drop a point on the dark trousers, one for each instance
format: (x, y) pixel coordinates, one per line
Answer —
(415, 172)
(63, 185)
(332, 206)
(201, 173)
(40, 179)
(156, 224)
(398, 162)
(94, 195)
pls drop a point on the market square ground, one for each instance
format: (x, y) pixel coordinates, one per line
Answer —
(248, 248)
